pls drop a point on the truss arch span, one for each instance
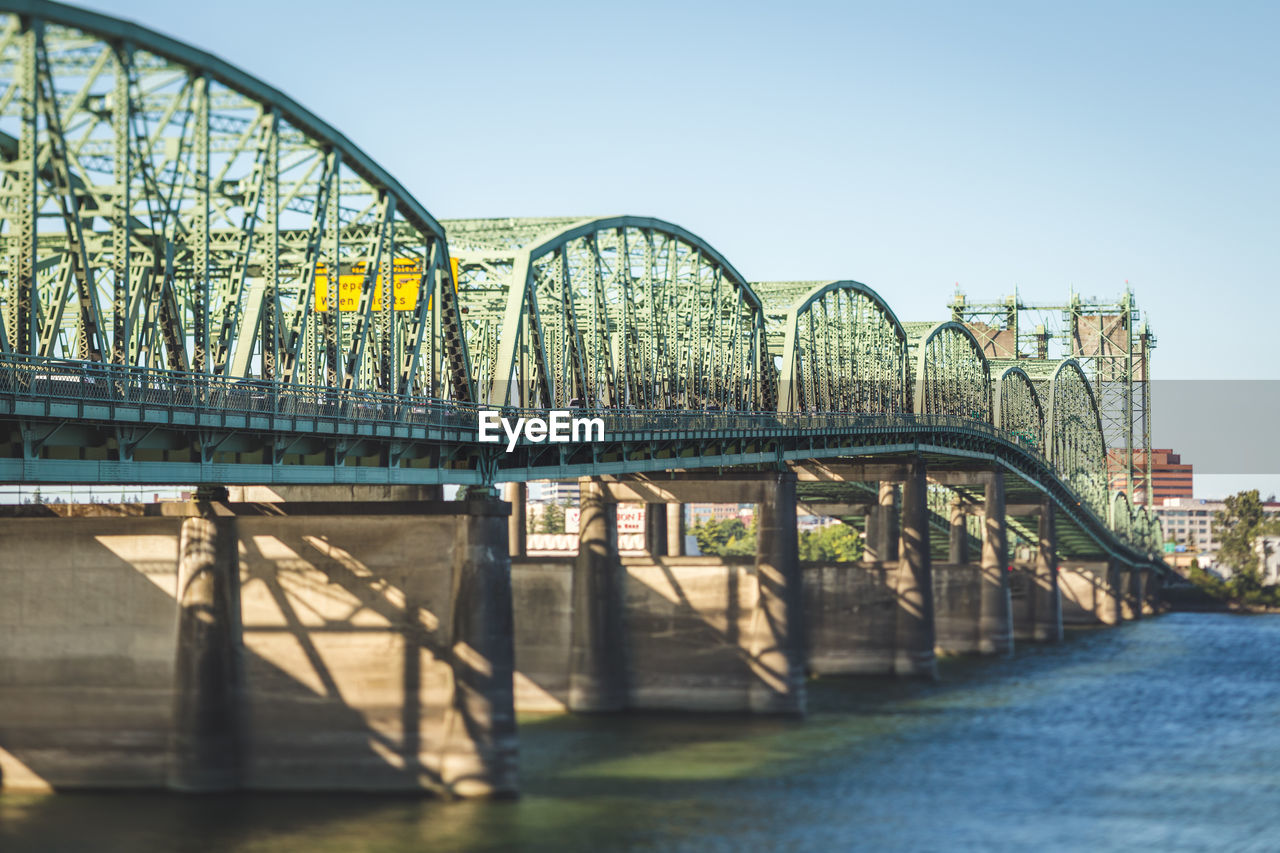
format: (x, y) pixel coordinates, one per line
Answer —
(1122, 517)
(1017, 409)
(950, 372)
(842, 348)
(169, 210)
(1076, 448)
(621, 311)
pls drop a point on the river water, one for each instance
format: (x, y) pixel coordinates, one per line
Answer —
(1157, 735)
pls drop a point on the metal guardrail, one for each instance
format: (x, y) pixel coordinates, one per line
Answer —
(58, 380)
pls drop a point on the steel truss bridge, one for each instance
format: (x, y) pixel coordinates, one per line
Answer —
(204, 283)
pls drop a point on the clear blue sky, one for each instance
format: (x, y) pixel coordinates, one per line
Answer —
(907, 145)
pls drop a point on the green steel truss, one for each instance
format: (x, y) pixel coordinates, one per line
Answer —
(616, 311)
(1017, 408)
(1110, 340)
(200, 281)
(164, 209)
(949, 373)
(842, 347)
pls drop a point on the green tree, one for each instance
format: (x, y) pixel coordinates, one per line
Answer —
(1237, 526)
(552, 520)
(835, 542)
(728, 537)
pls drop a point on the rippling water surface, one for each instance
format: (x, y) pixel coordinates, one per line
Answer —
(1159, 735)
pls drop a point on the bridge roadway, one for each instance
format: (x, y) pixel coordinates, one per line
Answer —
(160, 427)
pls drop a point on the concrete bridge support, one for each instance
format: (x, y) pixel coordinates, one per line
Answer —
(958, 544)
(1131, 593)
(206, 750)
(655, 530)
(1152, 597)
(882, 526)
(914, 646)
(320, 645)
(667, 632)
(1037, 610)
(1046, 597)
(995, 630)
(516, 494)
(675, 530)
(776, 645)
(1089, 592)
(598, 658)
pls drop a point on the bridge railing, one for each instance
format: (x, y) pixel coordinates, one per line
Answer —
(100, 383)
(108, 386)
(105, 384)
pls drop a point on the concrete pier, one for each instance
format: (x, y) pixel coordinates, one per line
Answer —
(655, 530)
(957, 602)
(914, 648)
(1046, 597)
(478, 753)
(958, 541)
(675, 530)
(851, 616)
(776, 644)
(517, 494)
(995, 632)
(1089, 592)
(883, 534)
(598, 656)
(206, 751)
(363, 648)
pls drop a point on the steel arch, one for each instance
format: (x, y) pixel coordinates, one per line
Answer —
(950, 372)
(1018, 409)
(1075, 446)
(843, 349)
(1120, 516)
(166, 209)
(617, 311)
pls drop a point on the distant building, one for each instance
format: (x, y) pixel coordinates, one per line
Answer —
(1169, 477)
(1269, 550)
(702, 513)
(561, 492)
(1189, 522)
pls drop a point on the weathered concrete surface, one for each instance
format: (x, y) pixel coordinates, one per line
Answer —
(1089, 594)
(598, 666)
(995, 625)
(851, 612)
(372, 653)
(87, 627)
(957, 599)
(692, 628)
(1022, 601)
(1046, 596)
(775, 643)
(206, 746)
(914, 653)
